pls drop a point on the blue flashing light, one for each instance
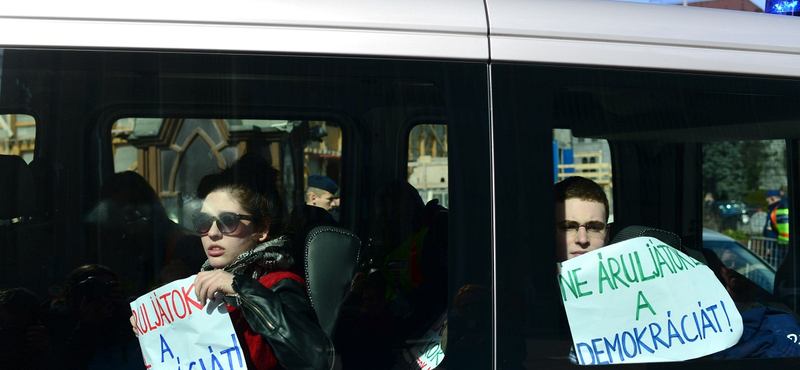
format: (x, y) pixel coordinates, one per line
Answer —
(782, 7)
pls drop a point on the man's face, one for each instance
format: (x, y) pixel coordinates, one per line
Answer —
(589, 218)
(773, 200)
(322, 200)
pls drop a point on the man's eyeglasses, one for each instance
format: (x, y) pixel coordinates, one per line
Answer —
(594, 229)
(227, 222)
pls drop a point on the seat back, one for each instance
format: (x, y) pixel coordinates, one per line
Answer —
(17, 187)
(670, 238)
(331, 260)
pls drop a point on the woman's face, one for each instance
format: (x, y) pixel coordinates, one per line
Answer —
(222, 249)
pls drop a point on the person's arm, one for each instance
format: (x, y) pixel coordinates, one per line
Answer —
(284, 317)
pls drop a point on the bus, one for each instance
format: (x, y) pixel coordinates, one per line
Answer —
(470, 102)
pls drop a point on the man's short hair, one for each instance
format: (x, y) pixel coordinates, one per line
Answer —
(317, 191)
(577, 187)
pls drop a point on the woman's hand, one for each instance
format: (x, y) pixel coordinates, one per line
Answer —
(133, 326)
(209, 282)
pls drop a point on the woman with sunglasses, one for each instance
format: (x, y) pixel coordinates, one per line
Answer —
(250, 262)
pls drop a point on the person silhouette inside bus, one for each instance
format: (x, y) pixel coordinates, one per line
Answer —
(137, 238)
(24, 342)
(411, 269)
(89, 321)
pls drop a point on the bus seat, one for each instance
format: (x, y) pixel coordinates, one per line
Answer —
(671, 239)
(330, 261)
(17, 188)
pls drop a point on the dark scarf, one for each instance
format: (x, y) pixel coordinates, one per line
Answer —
(271, 255)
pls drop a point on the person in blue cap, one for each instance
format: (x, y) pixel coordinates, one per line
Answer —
(320, 192)
(777, 225)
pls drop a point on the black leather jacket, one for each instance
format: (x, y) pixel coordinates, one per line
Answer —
(284, 317)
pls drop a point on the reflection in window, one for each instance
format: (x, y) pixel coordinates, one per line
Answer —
(745, 6)
(17, 135)
(738, 179)
(590, 158)
(427, 162)
(322, 155)
(173, 154)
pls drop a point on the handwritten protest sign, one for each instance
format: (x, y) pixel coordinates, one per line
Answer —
(177, 332)
(643, 301)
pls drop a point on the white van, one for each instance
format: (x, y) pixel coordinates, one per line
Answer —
(463, 99)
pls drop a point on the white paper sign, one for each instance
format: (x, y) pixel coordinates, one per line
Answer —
(176, 332)
(427, 353)
(643, 301)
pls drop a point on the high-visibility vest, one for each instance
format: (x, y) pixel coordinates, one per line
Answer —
(782, 228)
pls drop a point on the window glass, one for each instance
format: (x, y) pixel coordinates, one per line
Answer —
(17, 140)
(746, 193)
(322, 156)
(131, 135)
(196, 148)
(589, 158)
(672, 138)
(17, 135)
(427, 162)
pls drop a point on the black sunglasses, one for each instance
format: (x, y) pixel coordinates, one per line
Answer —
(227, 222)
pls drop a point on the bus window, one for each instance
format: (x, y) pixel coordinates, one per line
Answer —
(427, 162)
(17, 139)
(683, 148)
(171, 156)
(322, 155)
(585, 157)
(745, 193)
(306, 117)
(17, 135)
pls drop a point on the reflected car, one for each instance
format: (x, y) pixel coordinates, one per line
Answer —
(732, 214)
(737, 257)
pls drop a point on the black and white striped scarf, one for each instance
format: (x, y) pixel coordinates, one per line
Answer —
(271, 255)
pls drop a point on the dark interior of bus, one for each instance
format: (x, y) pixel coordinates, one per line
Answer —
(500, 154)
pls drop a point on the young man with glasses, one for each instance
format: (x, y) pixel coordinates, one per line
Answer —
(581, 217)
(581, 227)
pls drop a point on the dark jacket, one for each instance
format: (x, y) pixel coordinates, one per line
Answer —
(282, 315)
(768, 332)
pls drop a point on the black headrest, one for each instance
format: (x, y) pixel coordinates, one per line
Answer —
(635, 231)
(17, 187)
(669, 238)
(331, 260)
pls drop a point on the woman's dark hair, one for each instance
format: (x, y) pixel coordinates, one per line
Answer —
(255, 184)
